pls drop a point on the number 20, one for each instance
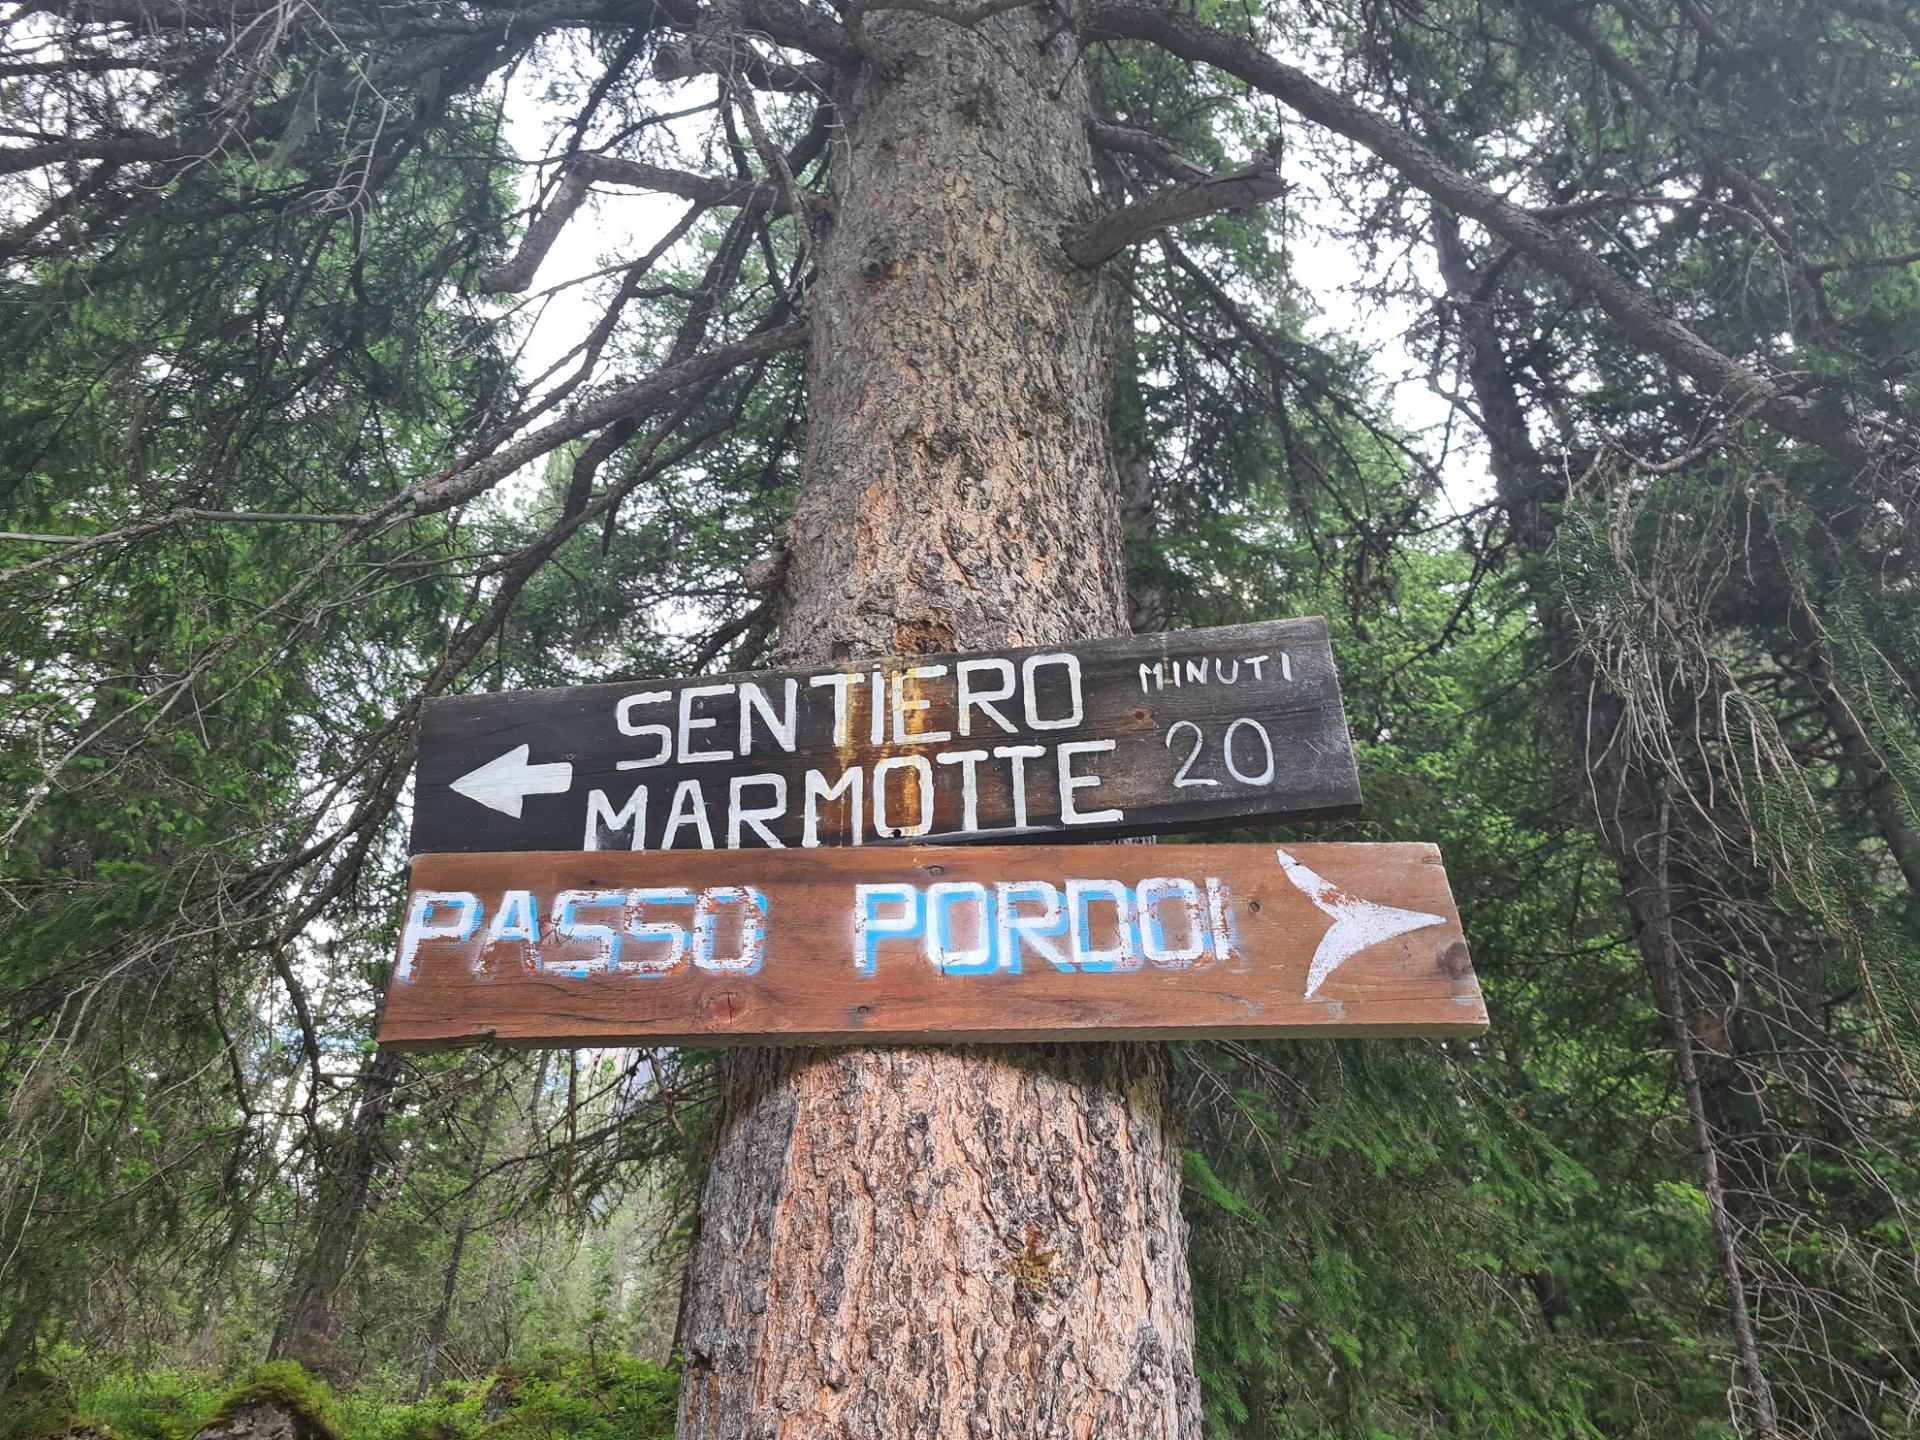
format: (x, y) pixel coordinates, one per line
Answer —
(1184, 777)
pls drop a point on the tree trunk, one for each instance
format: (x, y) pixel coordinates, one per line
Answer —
(949, 1242)
(443, 1315)
(1883, 797)
(1635, 822)
(308, 1326)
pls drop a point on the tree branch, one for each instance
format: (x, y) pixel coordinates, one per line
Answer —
(1552, 249)
(785, 22)
(517, 273)
(763, 194)
(1241, 189)
(683, 59)
(1148, 146)
(453, 488)
(125, 149)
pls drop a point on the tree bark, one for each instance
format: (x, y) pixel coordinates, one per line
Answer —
(949, 1242)
(1635, 821)
(1882, 795)
(309, 1325)
(1673, 993)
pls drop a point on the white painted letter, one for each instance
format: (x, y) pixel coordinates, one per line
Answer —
(689, 723)
(970, 700)
(422, 926)
(1019, 755)
(600, 812)
(1226, 939)
(1070, 782)
(818, 790)
(623, 719)
(783, 728)
(922, 785)
(1030, 692)
(842, 720)
(682, 813)
(901, 705)
(737, 816)
(969, 761)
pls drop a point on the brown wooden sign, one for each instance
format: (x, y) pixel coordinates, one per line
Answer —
(1196, 729)
(995, 943)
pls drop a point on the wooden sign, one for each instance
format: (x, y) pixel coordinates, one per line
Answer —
(1153, 733)
(995, 943)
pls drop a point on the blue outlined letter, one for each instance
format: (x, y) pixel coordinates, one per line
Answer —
(657, 932)
(1035, 930)
(1125, 953)
(979, 959)
(869, 928)
(1153, 893)
(422, 926)
(566, 926)
(753, 930)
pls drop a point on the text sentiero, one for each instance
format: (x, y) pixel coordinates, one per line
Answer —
(1128, 735)
(989, 942)
(999, 707)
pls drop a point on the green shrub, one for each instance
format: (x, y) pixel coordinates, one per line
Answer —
(452, 1411)
(149, 1404)
(618, 1400)
(35, 1405)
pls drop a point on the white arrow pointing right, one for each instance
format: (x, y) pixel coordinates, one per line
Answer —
(1357, 923)
(504, 783)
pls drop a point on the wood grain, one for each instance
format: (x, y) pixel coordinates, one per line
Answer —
(1154, 733)
(1257, 929)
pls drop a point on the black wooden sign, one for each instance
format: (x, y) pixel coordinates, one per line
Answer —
(1191, 730)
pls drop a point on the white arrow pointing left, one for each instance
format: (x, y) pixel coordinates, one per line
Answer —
(503, 784)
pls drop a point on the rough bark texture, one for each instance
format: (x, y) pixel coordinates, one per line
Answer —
(959, 488)
(1634, 817)
(960, 1243)
(307, 1328)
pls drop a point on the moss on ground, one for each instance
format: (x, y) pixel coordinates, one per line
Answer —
(287, 1386)
(553, 1395)
(36, 1407)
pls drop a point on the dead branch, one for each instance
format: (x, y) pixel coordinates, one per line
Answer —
(446, 490)
(1127, 140)
(1241, 189)
(1643, 321)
